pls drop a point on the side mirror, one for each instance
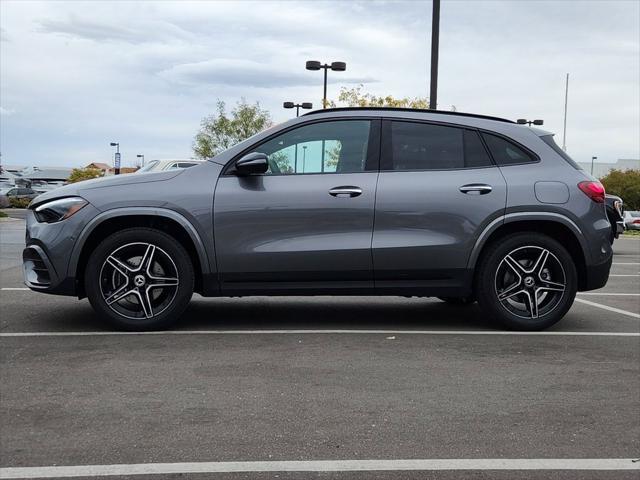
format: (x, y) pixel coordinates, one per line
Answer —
(254, 162)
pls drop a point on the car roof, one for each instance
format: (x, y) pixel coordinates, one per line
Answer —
(385, 110)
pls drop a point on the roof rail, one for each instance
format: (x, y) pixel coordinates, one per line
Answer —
(399, 109)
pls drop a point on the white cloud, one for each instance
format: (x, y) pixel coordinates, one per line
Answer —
(83, 74)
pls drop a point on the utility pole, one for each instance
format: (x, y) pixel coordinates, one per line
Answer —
(564, 130)
(435, 43)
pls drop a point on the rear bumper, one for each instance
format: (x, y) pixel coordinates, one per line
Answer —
(597, 275)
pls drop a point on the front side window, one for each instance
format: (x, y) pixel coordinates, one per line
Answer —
(422, 146)
(325, 147)
(505, 152)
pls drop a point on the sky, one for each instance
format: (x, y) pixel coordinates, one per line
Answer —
(75, 76)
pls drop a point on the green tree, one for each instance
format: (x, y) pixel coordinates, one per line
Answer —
(80, 174)
(355, 97)
(625, 184)
(221, 130)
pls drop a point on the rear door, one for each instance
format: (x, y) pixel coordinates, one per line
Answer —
(307, 223)
(437, 190)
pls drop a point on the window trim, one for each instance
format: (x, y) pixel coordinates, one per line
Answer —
(372, 162)
(536, 157)
(386, 149)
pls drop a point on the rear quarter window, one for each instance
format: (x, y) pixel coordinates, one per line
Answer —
(505, 152)
(548, 139)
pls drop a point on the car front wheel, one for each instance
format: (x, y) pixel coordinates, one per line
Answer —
(527, 281)
(139, 279)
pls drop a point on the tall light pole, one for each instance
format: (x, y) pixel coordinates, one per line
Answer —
(335, 66)
(564, 129)
(304, 156)
(435, 43)
(142, 157)
(592, 160)
(298, 106)
(116, 161)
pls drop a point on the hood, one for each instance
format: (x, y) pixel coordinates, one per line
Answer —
(104, 182)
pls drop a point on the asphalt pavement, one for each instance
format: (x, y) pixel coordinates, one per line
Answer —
(245, 387)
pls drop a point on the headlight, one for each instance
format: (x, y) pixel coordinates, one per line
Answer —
(57, 210)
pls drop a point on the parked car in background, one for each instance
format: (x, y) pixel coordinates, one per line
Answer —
(632, 220)
(161, 165)
(466, 207)
(19, 192)
(615, 212)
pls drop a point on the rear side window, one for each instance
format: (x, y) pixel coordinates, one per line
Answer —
(422, 146)
(505, 152)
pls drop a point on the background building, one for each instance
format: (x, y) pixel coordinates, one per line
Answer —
(601, 169)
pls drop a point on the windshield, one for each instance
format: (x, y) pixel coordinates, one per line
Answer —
(149, 166)
(634, 214)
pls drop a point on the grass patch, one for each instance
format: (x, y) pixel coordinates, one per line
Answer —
(631, 233)
(3, 215)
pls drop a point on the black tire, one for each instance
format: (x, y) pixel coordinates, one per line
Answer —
(462, 301)
(141, 297)
(520, 255)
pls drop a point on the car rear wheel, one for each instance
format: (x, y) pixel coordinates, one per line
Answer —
(139, 279)
(527, 281)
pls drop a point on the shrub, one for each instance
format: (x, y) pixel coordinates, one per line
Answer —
(625, 184)
(80, 174)
(19, 202)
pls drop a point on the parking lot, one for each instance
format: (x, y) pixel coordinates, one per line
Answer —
(356, 387)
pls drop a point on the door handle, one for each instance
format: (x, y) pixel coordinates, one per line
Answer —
(476, 189)
(345, 191)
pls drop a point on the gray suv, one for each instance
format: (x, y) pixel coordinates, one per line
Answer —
(337, 202)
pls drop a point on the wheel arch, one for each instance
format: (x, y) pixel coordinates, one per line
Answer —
(557, 226)
(115, 220)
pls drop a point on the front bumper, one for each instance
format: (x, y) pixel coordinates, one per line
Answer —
(45, 260)
(41, 276)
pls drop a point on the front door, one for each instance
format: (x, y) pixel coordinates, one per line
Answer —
(437, 190)
(307, 223)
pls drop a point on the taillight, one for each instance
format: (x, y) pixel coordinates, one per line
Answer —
(593, 190)
(636, 222)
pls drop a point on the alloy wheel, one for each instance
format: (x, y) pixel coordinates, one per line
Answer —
(530, 282)
(138, 280)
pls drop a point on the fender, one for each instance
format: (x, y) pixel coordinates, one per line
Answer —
(147, 211)
(525, 216)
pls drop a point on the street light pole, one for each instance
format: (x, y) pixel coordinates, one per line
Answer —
(564, 128)
(304, 157)
(524, 121)
(116, 162)
(335, 66)
(435, 43)
(303, 105)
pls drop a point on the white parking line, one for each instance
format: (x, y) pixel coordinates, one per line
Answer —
(323, 466)
(630, 275)
(626, 263)
(607, 294)
(606, 307)
(11, 289)
(327, 332)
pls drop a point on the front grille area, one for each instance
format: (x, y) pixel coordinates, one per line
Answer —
(35, 268)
